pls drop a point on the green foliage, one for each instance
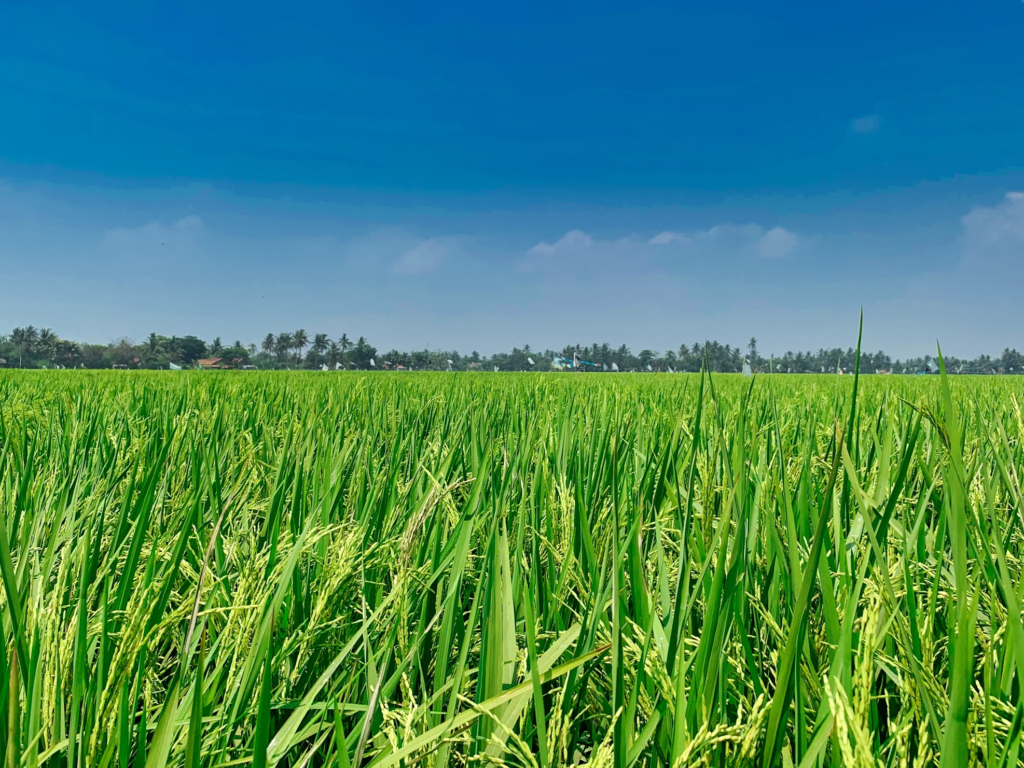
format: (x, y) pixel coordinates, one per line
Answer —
(293, 569)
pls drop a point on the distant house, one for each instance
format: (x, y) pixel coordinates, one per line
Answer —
(211, 362)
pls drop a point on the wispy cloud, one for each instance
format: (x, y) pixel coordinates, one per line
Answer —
(773, 243)
(572, 240)
(866, 124)
(424, 257)
(776, 243)
(1002, 224)
(668, 237)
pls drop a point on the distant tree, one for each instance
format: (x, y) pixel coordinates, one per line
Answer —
(68, 352)
(363, 352)
(318, 348)
(48, 343)
(95, 356)
(24, 339)
(334, 354)
(236, 354)
(189, 348)
(299, 342)
(283, 345)
(216, 347)
(268, 343)
(1012, 361)
(122, 351)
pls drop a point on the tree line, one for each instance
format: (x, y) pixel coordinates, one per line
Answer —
(29, 347)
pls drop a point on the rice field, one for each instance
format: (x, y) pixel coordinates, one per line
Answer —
(441, 570)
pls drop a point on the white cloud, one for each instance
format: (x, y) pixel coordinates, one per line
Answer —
(424, 257)
(668, 237)
(572, 240)
(776, 243)
(732, 236)
(1001, 225)
(737, 238)
(866, 124)
(189, 222)
(991, 265)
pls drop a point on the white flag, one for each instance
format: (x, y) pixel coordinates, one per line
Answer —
(615, 367)
(174, 367)
(373, 364)
(530, 361)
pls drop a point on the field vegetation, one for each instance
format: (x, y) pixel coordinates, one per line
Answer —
(296, 569)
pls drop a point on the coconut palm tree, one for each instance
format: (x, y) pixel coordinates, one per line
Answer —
(268, 343)
(319, 346)
(334, 354)
(283, 344)
(24, 339)
(68, 351)
(299, 342)
(345, 345)
(48, 343)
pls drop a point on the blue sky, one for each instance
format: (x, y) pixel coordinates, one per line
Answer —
(476, 176)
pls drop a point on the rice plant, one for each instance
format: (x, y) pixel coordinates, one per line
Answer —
(272, 569)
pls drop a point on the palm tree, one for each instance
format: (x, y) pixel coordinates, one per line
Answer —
(48, 343)
(363, 352)
(283, 344)
(68, 351)
(154, 342)
(345, 344)
(268, 343)
(334, 354)
(299, 342)
(319, 346)
(24, 339)
(216, 346)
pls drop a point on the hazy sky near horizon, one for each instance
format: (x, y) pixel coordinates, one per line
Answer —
(472, 176)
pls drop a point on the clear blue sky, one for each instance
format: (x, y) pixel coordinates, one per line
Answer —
(476, 175)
